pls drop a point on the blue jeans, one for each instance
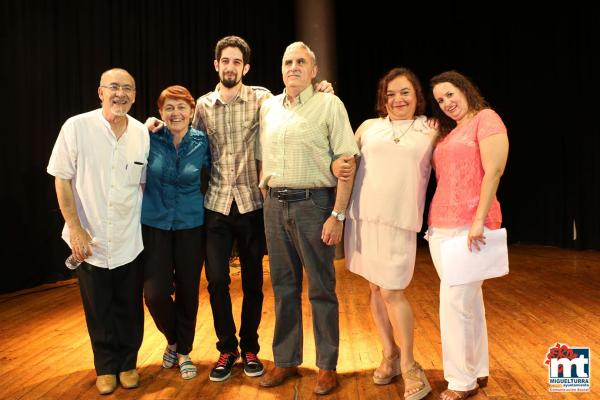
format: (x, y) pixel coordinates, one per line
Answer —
(293, 231)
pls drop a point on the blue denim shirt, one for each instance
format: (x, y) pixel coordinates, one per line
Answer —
(172, 197)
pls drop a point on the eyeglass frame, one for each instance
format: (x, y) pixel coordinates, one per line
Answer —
(115, 87)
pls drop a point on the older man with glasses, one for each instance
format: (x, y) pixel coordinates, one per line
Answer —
(98, 163)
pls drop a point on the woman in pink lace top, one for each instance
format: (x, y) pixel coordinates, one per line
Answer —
(469, 159)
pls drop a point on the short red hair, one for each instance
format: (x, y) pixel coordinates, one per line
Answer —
(178, 93)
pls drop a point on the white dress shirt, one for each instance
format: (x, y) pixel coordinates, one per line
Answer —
(106, 176)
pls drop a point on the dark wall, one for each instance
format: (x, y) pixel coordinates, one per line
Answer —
(537, 69)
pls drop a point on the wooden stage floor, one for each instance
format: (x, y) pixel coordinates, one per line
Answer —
(551, 295)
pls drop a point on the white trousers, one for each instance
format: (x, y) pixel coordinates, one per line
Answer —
(462, 322)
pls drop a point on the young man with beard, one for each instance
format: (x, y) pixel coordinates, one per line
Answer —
(98, 163)
(229, 116)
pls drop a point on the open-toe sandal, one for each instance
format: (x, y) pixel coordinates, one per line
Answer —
(388, 370)
(416, 385)
(450, 394)
(188, 369)
(169, 358)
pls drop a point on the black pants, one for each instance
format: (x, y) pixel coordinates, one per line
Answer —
(248, 230)
(114, 313)
(173, 257)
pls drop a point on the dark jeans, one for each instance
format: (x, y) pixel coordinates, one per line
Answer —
(173, 257)
(114, 313)
(293, 231)
(248, 230)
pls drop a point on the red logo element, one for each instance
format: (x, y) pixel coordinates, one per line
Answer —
(560, 351)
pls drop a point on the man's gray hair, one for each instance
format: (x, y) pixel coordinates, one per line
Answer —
(305, 47)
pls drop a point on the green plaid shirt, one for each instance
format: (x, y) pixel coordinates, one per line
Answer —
(298, 142)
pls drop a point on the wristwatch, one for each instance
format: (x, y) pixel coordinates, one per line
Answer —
(339, 215)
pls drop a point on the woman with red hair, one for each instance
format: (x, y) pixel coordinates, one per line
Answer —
(173, 226)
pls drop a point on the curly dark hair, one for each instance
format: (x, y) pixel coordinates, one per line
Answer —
(380, 106)
(475, 100)
(233, 41)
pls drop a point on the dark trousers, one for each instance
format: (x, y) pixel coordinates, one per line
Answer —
(248, 230)
(173, 257)
(293, 232)
(114, 313)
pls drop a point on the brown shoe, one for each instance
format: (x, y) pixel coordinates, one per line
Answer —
(129, 379)
(450, 394)
(482, 381)
(106, 384)
(276, 376)
(326, 381)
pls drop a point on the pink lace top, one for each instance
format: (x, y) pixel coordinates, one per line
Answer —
(459, 174)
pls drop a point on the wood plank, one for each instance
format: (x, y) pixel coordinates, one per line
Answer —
(550, 295)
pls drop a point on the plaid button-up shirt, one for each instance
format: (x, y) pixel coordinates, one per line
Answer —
(232, 131)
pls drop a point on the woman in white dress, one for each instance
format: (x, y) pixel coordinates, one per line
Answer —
(384, 216)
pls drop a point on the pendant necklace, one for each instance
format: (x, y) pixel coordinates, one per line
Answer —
(396, 138)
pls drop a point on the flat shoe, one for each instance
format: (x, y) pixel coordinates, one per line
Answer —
(326, 381)
(106, 384)
(129, 379)
(277, 375)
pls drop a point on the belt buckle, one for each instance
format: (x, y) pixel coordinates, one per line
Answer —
(281, 195)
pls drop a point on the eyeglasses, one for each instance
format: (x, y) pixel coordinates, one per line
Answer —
(113, 87)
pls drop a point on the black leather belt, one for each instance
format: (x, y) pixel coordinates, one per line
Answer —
(290, 195)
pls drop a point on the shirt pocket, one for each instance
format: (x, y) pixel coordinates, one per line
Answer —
(134, 172)
(309, 137)
(250, 130)
(216, 140)
(211, 132)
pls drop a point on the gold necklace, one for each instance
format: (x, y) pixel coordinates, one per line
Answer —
(397, 138)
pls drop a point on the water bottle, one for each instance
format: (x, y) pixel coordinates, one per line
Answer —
(72, 263)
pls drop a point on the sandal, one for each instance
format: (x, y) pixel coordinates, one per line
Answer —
(482, 381)
(420, 383)
(187, 369)
(169, 358)
(450, 394)
(388, 370)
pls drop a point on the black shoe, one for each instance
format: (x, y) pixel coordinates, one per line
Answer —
(252, 365)
(222, 369)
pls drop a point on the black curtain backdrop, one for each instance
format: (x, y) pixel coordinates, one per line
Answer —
(539, 71)
(53, 55)
(537, 68)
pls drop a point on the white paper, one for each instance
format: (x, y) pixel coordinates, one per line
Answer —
(460, 266)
